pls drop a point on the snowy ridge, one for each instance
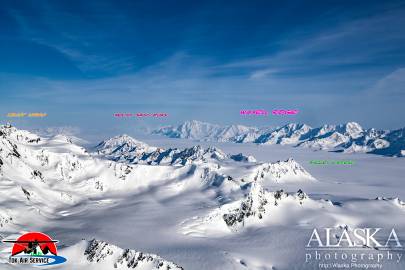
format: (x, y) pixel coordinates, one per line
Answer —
(68, 132)
(100, 255)
(102, 252)
(349, 137)
(21, 136)
(394, 201)
(288, 134)
(228, 181)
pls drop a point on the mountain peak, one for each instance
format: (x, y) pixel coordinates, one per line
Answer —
(203, 131)
(120, 140)
(353, 129)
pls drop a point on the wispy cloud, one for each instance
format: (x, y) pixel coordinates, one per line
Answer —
(391, 86)
(209, 71)
(349, 46)
(262, 73)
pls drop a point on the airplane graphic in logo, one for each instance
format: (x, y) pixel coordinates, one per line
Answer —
(35, 244)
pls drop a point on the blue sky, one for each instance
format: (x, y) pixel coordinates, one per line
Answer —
(82, 61)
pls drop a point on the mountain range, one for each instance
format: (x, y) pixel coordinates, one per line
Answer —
(348, 138)
(43, 179)
(177, 208)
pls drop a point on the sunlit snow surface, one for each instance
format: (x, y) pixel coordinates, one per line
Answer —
(176, 211)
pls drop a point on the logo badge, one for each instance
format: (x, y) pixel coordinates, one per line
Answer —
(35, 248)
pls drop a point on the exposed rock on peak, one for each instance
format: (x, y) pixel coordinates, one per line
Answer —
(103, 253)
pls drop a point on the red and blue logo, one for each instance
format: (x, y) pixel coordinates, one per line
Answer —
(35, 248)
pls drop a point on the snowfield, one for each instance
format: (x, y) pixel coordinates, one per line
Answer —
(160, 203)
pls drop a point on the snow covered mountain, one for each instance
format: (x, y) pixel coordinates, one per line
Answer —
(281, 172)
(349, 137)
(126, 149)
(391, 144)
(57, 162)
(263, 208)
(208, 167)
(52, 173)
(256, 209)
(255, 205)
(203, 131)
